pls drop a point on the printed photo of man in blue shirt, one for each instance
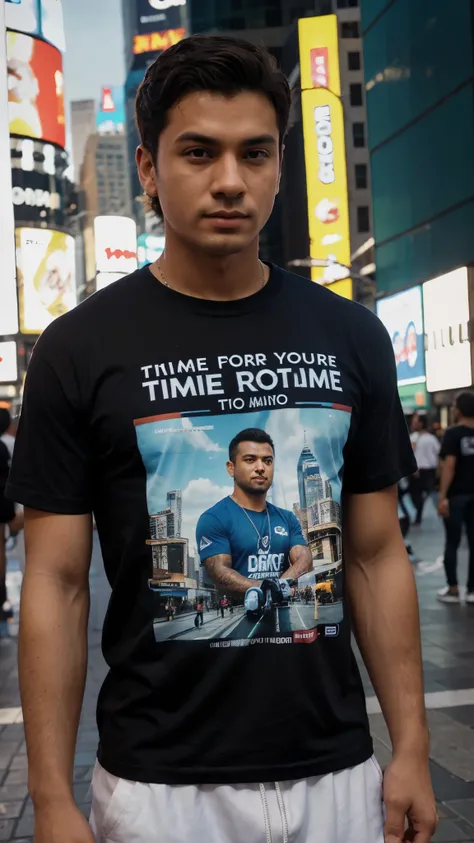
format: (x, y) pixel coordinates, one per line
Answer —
(249, 546)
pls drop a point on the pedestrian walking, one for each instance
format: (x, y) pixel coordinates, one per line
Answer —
(188, 342)
(456, 496)
(427, 448)
(199, 620)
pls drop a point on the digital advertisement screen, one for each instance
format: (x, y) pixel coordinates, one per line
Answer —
(35, 89)
(159, 15)
(157, 42)
(111, 115)
(46, 277)
(8, 292)
(38, 197)
(8, 362)
(115, 244)
(402, 315)
(448, 347)
(325, 151)
(37, 17)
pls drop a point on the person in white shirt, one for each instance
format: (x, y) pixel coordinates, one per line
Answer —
(427, 448)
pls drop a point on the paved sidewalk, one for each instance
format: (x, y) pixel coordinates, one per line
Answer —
(448, 653)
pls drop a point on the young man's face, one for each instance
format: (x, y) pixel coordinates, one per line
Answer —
(253, 467)
(218, 170)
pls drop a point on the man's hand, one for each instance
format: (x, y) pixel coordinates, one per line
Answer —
(443, 507)
(408, 796)
(61, 824)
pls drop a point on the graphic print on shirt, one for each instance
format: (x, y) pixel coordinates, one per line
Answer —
(198, 530)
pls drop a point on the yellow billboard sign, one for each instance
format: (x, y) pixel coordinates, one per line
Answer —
(325, 152)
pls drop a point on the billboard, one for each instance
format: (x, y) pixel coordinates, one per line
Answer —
(111, 115)
(35, 89)
(36, 156)
(8, 362)
(402, 315)
(8, 294)
(448, 347)
(157, 42)
(150, 248)
(38, 197)
(159, 15)
(325, 151)
(115, 244)
(37, 17)
(46, 276)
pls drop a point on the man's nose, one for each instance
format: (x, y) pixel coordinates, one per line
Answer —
(228, 179)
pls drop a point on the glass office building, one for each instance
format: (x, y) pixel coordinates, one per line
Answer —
(420, 101)
(231, 15)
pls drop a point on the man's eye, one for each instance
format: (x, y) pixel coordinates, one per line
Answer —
(198, 153)
(257, 154)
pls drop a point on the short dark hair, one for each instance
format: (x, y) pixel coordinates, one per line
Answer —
(423, 422)
(217, 63)
(250, 434)
(5, 420)
(465, 404)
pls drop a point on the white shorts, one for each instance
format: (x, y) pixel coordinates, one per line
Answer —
(343, 807)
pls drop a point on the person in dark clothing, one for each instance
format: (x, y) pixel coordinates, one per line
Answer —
(456, 496)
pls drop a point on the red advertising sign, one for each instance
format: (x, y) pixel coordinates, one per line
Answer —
(157, 42)
(35, 89)
(305, 637)
(320, 67)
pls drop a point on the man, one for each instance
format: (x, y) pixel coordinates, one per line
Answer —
(199, 620)
(178, 716)
(427, 448)
(456, 495)
(250, 546)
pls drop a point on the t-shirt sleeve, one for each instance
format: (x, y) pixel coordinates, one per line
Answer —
(211, 537)
(379, 452)
(296, 533)
(51, 462)
(450, 446)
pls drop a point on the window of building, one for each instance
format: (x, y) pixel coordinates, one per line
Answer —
(355, 94)
(361, 176)
(347, 4)
(358, 134)
(350, 29)
(363, 219)
(353, 61)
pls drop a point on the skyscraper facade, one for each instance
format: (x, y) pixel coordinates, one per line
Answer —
(175, 505)
(83, 125)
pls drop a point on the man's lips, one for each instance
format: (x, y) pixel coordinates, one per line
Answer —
(227, 215)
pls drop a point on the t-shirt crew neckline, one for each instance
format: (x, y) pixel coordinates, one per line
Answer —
(210, 307)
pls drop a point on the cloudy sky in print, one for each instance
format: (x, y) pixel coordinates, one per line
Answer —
(191, 454)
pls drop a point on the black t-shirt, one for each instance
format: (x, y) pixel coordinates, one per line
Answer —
(459, 442)
(130, 403)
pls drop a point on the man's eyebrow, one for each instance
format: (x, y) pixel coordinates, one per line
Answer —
(195, 137)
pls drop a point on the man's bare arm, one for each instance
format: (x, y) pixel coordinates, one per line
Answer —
(382, 595)
(301, 562)
(384, 604)
(220, 570)
(53, 648)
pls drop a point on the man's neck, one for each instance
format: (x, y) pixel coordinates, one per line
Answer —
(466, 422)
(257, 503)
(197, 273)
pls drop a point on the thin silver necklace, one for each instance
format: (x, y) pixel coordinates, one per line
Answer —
(165, 283)
(260, 545)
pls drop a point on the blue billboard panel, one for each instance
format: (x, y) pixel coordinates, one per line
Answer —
(111, 115)
(402, 315)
